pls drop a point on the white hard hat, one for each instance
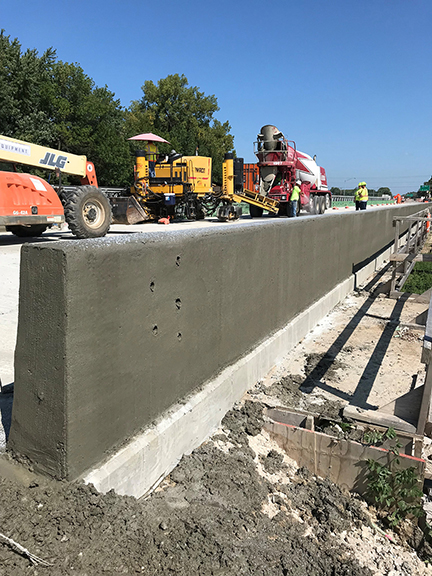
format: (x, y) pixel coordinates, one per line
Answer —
(298, 181)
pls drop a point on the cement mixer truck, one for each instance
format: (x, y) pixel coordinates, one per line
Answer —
(278, 168)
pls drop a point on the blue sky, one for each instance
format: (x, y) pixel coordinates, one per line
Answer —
(348, 80)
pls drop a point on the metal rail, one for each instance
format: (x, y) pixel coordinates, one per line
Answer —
(424, 413)
(405, 257)
(351, 198)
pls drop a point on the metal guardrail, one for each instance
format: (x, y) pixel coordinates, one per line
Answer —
(342, 198)
(424, 412)
(351, 199)
(405, 257)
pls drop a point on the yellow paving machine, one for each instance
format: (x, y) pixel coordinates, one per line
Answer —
(172, 187)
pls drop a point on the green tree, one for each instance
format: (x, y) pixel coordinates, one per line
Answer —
(89, 121)
(24, 78)
(184, 116)
(56, 104)
(336, 191)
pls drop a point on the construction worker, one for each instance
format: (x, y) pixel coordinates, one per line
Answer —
(357, 197)
(364, 195)
(152, 154)
(361, 196)
(294, 198)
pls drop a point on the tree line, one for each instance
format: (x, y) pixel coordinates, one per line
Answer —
(53, 103)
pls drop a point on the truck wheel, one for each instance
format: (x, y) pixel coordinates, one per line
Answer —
(283, 209)
(229, 212)
(87, 212)
(313, 204)
(321, 204)
(328, 201)
(27, 231)
(200, 214)
(255, 211)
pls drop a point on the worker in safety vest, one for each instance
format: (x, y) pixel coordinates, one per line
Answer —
(294, 199)
(363, 195)
(357, 197)
(152, 154)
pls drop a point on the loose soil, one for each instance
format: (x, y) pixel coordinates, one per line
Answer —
(238, 505)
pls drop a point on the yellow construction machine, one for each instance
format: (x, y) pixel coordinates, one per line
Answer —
(180, 187)
(171, 187)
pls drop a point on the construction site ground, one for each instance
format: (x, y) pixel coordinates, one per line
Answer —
(238, 505)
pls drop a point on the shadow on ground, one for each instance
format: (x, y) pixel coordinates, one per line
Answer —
(367, 379)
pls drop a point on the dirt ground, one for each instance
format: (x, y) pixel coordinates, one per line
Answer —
(238, 504)
(358, 355)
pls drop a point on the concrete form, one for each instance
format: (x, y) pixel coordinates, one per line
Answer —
(342, 461)
(114, 334)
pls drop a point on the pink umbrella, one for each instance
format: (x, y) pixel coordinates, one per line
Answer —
(149, 137)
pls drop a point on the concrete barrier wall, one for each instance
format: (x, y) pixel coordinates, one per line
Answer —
(113, 332)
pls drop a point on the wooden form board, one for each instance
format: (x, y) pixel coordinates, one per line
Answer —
(378, 418)
(411, 257)
(344, 462)
(410, 443)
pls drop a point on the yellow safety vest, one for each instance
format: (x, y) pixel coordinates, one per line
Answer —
(364, 195)
(295, 194)
(152, 151)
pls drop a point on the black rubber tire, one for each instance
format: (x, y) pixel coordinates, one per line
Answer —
(321, 204)
(313, 206)
(310, 207)
(87, 212)
(31, 231)
(328, 201)
(284, 209)
(200, 214)
(255, 211)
